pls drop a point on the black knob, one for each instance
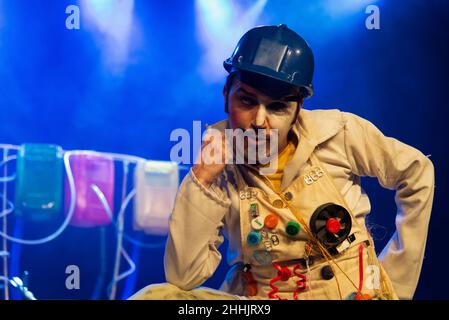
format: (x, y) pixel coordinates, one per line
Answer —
(327, 273)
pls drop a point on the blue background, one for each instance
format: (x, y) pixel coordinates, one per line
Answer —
(58, 86)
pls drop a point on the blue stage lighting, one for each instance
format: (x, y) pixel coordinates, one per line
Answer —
(112, 22)
(345, 7)
(219, 25)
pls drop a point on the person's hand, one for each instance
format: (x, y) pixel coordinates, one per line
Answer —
(212, 159)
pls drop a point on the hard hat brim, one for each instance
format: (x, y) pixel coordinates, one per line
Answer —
(270, 75)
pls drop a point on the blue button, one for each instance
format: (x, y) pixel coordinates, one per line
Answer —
(254, 238)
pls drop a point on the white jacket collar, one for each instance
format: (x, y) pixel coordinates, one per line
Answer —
(312, 128)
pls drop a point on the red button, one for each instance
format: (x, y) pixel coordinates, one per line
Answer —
(333, 225)
(271, 221)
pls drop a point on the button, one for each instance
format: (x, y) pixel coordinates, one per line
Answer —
(271, 221)
(262, 257)
(327, 273)
(254, 238)
(253, 210)
(257, 223)
(292, 228)
(278, 203)
(333, 225)
(288, 196)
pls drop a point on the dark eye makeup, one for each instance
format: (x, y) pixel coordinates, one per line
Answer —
(277, 106)
(248, 100)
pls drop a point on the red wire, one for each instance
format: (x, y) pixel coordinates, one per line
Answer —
(283, 275)
(360, 268)
(274, 289)
(301, 283)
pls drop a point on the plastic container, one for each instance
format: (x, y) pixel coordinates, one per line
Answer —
(39, 184)
(156, 184)
(90, 169)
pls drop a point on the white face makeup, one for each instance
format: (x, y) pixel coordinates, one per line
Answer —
(251, 109)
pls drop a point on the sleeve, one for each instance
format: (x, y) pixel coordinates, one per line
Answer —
(406, 170)
(191, 253)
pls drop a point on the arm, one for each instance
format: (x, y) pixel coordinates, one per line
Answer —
(191, 254)
(403, 168)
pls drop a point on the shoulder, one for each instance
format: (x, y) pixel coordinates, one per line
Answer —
(321, 124)
(327, 115)
(335, 120)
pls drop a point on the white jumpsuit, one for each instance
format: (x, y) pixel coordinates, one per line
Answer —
(335, 149)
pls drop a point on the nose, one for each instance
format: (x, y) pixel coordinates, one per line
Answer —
(260, 122)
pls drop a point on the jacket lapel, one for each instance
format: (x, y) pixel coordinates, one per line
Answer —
(312, 128)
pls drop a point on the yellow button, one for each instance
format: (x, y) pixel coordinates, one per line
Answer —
(278, 203)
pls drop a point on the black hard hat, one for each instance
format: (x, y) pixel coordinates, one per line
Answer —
(276, 52)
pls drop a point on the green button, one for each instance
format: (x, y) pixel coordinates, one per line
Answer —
(292, 228)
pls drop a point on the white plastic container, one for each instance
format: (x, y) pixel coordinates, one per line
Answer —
(156, 184)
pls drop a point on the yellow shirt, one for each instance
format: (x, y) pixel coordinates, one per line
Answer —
(283, 158)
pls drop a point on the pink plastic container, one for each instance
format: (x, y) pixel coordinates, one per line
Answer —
(89, 169)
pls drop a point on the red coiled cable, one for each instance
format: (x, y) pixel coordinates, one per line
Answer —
(284, 274)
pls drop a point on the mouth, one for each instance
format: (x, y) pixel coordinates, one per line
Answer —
(257, 141)
(257, 138)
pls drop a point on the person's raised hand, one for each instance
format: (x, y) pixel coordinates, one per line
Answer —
(212, 158)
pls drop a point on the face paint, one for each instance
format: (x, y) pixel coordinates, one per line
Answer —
(250, 109)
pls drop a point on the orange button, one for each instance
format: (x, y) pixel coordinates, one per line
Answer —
(271, 221)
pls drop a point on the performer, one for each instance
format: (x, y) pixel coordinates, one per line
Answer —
(298, 232)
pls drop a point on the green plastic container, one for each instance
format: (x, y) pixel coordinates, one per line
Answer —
(39, 186)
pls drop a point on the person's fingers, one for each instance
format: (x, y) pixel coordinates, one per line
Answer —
(225, 155)
(207, 140)
(228, 150)
(216, 150)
